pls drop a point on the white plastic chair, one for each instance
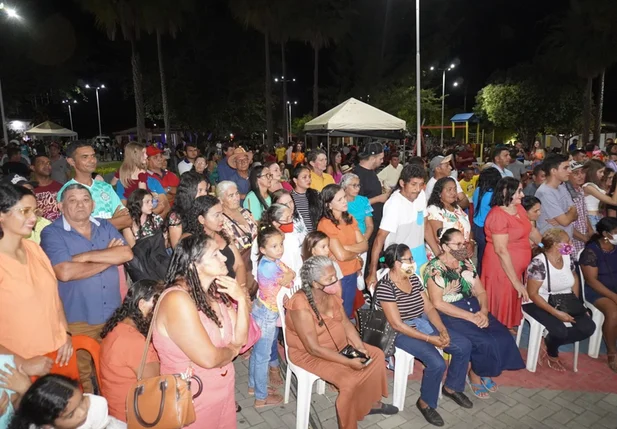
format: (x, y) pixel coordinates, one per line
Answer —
(595, 341)
(305, 379)
(536, 333)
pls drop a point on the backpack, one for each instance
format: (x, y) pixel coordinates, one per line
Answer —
(150, 259)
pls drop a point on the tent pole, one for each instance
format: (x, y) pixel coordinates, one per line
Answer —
(328, 154)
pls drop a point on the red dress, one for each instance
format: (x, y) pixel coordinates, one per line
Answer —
(503, 300)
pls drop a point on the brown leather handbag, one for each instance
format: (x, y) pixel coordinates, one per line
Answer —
(163, 402)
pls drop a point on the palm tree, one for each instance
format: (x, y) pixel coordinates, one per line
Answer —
(166, 17)
(597, 128)
(261, 16)
(324, 21)
(583, 42)
(126, 16)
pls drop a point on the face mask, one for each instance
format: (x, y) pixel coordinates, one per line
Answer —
(613, 240)
(287, 227)
(408, 268)
(98, 416)
(460, 254)
(565, 249)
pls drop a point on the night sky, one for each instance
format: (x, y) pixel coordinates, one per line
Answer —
(484, 35)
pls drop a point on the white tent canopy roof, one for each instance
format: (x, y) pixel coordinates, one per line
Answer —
(48, 128)
(354, 115)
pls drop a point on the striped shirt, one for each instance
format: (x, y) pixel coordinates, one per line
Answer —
(410, 305)
(302, 206)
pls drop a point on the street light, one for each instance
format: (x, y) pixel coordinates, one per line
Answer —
(68, 102)
(12, 14)
(289, 104)
(98, 105)
(285, 102)
(443, 94)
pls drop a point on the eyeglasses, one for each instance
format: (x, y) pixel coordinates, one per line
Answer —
(267, 176)
(27, 211)
(457, 245)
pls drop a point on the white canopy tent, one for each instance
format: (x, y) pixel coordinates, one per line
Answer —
(50, 129)
(355, 118)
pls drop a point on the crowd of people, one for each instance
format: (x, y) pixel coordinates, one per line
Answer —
(200, 258)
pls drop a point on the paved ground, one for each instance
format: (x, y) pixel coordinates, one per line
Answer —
(511, 407)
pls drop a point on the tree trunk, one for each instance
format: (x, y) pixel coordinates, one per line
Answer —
(169, 141)
(597, 129)
(587, 112)
(269, 119)
(316, 82)
(138, 91)
(284, 79)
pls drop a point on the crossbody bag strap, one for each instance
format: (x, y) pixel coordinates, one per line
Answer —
(548, 274)
(144, 355)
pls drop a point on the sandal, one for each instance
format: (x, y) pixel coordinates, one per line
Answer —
(271, 391)
(612, 361)
(489, 384)
(555, 364)
(271, 400)
(478, 390)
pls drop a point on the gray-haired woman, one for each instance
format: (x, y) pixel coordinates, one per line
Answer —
(357, 205)
(238, 223)
(317, 328)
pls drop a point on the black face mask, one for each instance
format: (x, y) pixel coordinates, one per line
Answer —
(460, 254)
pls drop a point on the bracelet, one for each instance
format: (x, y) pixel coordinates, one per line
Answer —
(427, 337)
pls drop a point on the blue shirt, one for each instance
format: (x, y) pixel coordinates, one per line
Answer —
(480, 211)
(243, 184)
(225, 171)
(360, 208)
(94, 299)
(152, 184)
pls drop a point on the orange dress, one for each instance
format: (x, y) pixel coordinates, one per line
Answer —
(503, 300)
(297, 158)
(358, 390)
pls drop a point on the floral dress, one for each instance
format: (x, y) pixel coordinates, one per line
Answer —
(148, 228)
(243, 235)
(457, 219)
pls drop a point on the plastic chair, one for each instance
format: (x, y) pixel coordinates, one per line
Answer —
(71, 370)
(305, 379)
(595, 341)
(536, 333)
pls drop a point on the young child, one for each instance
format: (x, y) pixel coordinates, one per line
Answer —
(272, 275)
(317, 243)
(145, 223)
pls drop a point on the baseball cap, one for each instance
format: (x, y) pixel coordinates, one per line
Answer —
(153, 151)
(575, 165)
(438, 160)
(370, 149)
(16, 179)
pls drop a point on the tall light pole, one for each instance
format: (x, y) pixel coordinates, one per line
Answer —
(68, 102)
(285, 102)
(98, 105)
(289, 103)
(12, 14)
(443, 96)
(418, 89)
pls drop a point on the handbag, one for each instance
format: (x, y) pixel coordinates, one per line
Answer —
(375, 328)
(566, 302)
(164, 401)
(349, 351)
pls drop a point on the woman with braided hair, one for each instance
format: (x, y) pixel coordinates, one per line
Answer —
(124, 338)
(317, 328)
(198, 330)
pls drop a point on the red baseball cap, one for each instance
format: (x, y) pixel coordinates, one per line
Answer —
(153, 151)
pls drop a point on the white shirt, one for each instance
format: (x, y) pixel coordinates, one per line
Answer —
(503, 171)
(404, 220)
(288, 154)
(562, 280)
(389, 176)
(431, 184)
(592, 203)
(184, 166)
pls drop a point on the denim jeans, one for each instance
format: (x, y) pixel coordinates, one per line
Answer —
(435, 365)
(480, 237)
(274, 353)
(258, 363)
(349, 284)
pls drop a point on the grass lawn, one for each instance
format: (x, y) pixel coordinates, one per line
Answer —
(104, 168)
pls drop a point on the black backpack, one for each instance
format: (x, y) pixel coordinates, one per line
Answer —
(150, 259)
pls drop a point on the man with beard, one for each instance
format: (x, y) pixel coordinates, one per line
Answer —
(47, 189)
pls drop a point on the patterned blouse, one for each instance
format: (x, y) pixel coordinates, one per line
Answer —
(578, 196)
(457, 284)
(457, 219)
(243, 235)
(148, 228)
